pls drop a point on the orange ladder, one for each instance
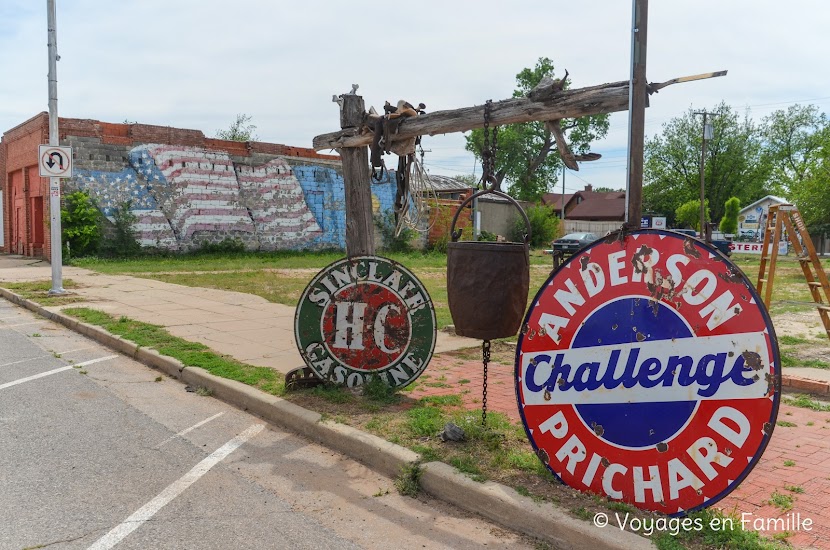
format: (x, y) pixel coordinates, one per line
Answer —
(786, 217)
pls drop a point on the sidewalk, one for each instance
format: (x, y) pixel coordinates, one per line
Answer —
(261, 333)
(246, 327)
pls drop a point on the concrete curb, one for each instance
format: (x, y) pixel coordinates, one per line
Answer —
(504, 505)
(496, 502)
(798, 383)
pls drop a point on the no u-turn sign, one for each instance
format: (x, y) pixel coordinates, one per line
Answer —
(55, 161)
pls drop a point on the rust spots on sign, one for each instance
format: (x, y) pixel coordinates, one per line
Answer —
(767, 428)
(662, 447)
(689, 248)
(605, 462)
(638, 260)
(732, 276)
(598, 429)
(543, 456)
(752, 360)
(547, 395)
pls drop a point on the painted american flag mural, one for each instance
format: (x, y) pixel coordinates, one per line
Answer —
(185, 196)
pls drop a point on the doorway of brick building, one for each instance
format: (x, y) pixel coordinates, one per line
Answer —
(36, 248)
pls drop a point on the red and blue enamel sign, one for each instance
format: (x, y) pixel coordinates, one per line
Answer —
(647, 371)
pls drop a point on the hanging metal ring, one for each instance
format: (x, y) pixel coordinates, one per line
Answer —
(456, 234)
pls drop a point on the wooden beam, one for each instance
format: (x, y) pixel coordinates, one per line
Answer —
(360, 232)
(637, 116)
(574, 103)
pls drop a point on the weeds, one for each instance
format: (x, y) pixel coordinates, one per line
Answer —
(408, 482)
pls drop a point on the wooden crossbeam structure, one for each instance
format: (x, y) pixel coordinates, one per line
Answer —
(784, 221)
(542, 104)
(547, 102)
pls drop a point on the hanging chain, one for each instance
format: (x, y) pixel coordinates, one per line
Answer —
(485, 359)
(488, 154)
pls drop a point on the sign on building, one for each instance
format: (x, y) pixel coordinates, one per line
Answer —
(362, 317)
(648, 371)
(55, 161)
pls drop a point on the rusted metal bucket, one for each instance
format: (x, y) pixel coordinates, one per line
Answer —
(487, 282)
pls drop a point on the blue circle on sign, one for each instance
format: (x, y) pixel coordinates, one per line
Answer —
(634, 425)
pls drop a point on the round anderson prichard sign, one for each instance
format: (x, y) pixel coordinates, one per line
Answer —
(647, 371)
(362, 317)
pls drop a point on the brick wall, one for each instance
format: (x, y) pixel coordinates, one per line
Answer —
(186, 189)
(19, 157)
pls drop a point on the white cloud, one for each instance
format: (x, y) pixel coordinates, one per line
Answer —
(196, 64)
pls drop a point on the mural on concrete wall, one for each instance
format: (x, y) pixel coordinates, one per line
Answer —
(185, 196)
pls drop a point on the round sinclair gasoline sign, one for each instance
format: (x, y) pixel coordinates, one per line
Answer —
(647, 371)
(362, 317)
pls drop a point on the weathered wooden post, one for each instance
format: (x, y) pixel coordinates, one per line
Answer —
(359, 228)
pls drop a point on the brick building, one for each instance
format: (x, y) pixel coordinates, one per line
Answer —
(185, 189)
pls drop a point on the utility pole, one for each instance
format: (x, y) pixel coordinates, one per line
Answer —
(707, 134)
(54, 140)
(563, 197)
(636, 114)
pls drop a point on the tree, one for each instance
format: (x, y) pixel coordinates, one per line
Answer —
(734, 163)
(239, 130)
(80, 224)
(798, 148)
(729, 222)
(793, 140)
(526, 155)
(812, 192)
(688, 214)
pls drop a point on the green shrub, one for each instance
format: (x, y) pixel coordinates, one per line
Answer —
(80, 225)
(729, 222)
(225, 246)
(543, 226)
(121, 240)
(402, 242)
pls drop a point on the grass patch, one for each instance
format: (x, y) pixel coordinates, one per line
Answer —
(789, 463)
(191, 354)
(718, 530)
(443, 400)
(806, 402)
(781, 501)
(794, 489)
(38, 291)
(792, 340)
(785, 424)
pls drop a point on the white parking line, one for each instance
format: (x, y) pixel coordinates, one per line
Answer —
(54, 371)
(119, 532)
(190, 429)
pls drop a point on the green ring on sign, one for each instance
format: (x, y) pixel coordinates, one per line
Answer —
(363, 317)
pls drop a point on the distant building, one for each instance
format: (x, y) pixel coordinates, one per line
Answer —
(753, 217)
(588, 210)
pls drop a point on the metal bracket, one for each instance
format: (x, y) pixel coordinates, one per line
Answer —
(302, 378)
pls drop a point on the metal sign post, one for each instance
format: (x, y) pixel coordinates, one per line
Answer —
(54, 182)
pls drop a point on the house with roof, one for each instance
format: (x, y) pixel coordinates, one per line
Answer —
(753, 217)
(588, 210)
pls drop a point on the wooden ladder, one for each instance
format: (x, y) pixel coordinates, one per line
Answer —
(786, 217)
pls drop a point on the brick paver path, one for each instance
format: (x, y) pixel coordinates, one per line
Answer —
(804, 448)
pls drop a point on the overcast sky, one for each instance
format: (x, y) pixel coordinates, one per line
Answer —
(197, 63)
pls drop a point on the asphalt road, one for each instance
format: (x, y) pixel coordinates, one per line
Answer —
(98, 451)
